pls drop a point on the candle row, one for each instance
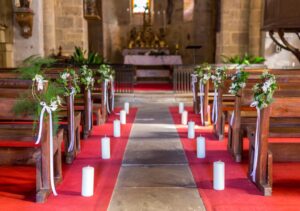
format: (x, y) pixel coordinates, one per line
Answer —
(87, 185)
(218, 166)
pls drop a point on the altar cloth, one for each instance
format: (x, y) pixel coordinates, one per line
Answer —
(153, 60)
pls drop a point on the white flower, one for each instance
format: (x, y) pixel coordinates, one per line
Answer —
(206, 77)
(243, 85)
(64, 76)
(58, 100)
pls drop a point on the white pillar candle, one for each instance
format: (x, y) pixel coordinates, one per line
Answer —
(184, 117)
(219, 175)
(191, 130)
(123, 117)
(105, 147)
(181, 107)
(87, 184)
(117, 128)
(200, 147)
(126, 107)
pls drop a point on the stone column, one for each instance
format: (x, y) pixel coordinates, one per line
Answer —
(233, 38)
(255, 23)
(49, 28)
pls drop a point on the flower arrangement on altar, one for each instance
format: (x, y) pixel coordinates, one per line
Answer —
(238, 80)
(68, 78)
(219, 76)
(263, 92)
(86, 77)
(203, 72)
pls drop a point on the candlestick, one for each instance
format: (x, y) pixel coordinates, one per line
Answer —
(123, 117)
(87, 184)
(184, 117)
(219, 175)
(191, 130)
(181, 107)
(200, 147)
(117, 128)
(126, 107)
(105, 147)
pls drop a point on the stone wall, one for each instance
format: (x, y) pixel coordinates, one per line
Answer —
(70, 25)
(34, 45)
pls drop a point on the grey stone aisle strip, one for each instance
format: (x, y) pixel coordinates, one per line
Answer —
(155, 174)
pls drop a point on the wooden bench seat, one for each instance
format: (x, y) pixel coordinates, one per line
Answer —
(15, 129)
(281, 150)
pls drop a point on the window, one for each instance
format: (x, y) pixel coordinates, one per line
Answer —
(140, 5)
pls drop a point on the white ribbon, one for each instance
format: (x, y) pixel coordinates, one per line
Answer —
(89, 107)
(214, 115)
(256, 147)
(106, 95)
(231, 119)
(194, 81)
(201, 88)
(112, 90)
(72, 137)
(49, 110)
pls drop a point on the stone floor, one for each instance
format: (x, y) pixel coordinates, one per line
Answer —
(155, 174)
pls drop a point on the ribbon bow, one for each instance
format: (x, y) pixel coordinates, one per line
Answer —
(194, 81)
(40, 82)
(53, 106)
(201, 88)
(71, 99)
(112, 90)
(256, 147)
(214, 115)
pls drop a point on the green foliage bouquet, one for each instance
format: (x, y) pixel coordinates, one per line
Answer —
(238, 80)
(86, 77)
(203, 72)
(264, 91)
(219, 76)
(68, 78)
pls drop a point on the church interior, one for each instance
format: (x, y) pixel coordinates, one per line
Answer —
(149, 105)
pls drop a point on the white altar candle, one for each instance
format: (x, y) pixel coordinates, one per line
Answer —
(117, 128)
(105, 147)
(87, 184)
(200, 147)
(126, 107)
(219, 175)
(181, 107)
(184, 117)
(123, 117)
(191, 130)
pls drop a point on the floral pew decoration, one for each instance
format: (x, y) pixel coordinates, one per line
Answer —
(203, 73)
(218, 78)
(107, 75)
(238, 82)
(86, 78)
(69, 80)
(263, 97)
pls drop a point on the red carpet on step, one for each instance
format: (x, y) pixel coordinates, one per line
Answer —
(17, 184)
(239, 193)
(153, 87)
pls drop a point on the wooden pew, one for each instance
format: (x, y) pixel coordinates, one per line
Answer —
(284, 106)
(66, 114)
(15, 132)
(226, 101)
(245, 116)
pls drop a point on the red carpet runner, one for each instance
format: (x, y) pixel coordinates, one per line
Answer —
(16, 184)
(239, 193)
